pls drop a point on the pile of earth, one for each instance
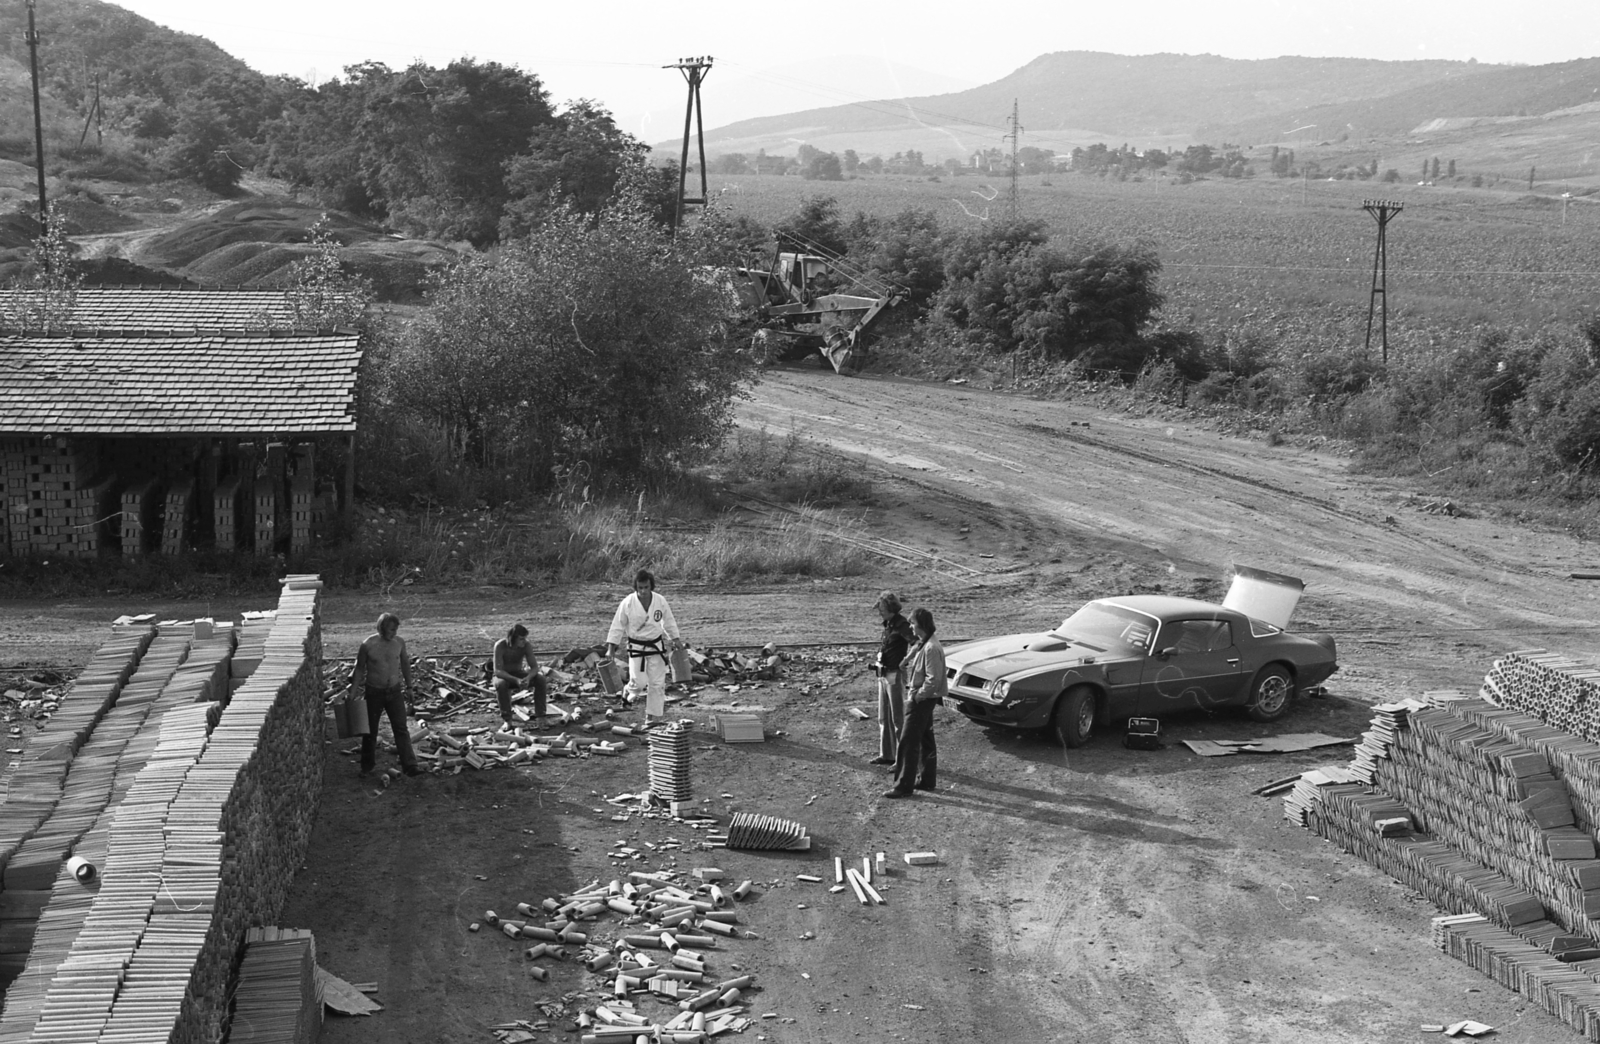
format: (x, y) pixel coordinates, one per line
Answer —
(254, 243)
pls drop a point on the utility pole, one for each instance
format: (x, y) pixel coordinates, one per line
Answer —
(1383, 210)
(694, 71)
(1013, 201)
(38, 123)
(93, 117)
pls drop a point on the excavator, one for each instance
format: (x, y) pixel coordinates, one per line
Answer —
(811, 300)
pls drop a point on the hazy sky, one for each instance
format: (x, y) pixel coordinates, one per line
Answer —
(613, 51)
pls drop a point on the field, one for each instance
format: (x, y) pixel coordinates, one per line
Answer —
(1278, 256)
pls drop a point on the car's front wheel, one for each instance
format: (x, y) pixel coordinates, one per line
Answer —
(1270, 694)
(1073, 721)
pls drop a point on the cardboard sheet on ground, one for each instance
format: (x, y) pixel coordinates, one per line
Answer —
(1287, 744)
(343, 997)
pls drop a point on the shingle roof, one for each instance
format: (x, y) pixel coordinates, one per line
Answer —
(198, 384)
(164, 308)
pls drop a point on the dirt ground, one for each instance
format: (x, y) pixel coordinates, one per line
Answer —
(1093, 895)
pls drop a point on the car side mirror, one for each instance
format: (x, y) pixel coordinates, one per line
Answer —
(1168, 652)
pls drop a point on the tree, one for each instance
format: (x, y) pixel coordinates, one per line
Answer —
(524, 356)
(821, 166)
(574, 159)
(47, 295)
(202, 148)
(815, 224)
(851, 161)
(321, 294)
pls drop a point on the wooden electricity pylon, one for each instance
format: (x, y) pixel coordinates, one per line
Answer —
(694, 71)
(38, 126)
(1382, 210)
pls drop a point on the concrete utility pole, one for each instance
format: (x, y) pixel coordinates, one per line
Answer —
(1014, 201)
(1382, 210)
(694, 71)
(38, 123)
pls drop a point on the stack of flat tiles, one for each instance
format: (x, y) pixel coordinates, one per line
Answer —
(147, 957)
(1506, 804)
(265, 503)
(1567, 991)
(1388, 719)
(225, 514)
(1559, 691)
(175, 518)
(124, 741)
(669, 763)
(752, 831)
(1306, 797)
(276, 1000)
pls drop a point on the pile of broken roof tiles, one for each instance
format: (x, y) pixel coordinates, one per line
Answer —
(1488, 806)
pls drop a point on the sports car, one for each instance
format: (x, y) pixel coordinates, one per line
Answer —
(1144, 656)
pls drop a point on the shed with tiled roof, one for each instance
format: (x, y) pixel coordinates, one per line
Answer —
(170, 420)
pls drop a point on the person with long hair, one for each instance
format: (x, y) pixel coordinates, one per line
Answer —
(382, 675)
(517, 669)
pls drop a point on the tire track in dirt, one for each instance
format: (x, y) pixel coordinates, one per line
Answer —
(1177, 501)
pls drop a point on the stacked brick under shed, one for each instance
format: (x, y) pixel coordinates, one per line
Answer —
(168, 419)
(1490, 806)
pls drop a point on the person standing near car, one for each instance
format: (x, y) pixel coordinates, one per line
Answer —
(516, 668)
(890, 669)
(383, 674)
(918, 764)
(645, 622)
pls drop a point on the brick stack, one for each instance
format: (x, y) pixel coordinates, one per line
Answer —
(175, 522)
(146, 957)
(302, 513)
(265, 502)
(140, 506)
(49, 496)
(225, 514)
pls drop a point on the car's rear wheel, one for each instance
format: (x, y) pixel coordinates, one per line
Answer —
(1270, 693)
(1073, 720)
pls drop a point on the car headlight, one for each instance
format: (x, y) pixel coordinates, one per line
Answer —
(1000, 690)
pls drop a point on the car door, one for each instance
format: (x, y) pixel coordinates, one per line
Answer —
(1195, 664)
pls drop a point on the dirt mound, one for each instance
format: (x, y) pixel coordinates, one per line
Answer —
(119, 271)
(253, 243)
(85, 217)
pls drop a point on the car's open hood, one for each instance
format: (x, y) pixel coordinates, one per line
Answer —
(998, 657)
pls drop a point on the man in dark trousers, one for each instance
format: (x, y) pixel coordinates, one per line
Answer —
(383, 673)
(517, 668)
(918, 764)
(889, 668)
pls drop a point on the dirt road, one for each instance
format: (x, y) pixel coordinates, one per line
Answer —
(1106, 896)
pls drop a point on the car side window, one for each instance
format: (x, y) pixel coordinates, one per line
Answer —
(1197, 636)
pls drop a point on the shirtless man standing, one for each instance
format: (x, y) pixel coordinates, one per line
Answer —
(383, 673)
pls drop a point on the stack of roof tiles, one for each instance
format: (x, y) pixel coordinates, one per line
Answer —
(1492, 813)
(143, 953)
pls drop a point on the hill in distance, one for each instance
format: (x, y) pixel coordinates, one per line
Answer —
(1072, 98)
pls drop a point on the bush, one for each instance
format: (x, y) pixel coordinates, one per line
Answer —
(598, 343)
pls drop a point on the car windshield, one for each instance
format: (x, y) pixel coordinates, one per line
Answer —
(1111, 626)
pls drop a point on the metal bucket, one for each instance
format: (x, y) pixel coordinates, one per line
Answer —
(682, 669)
(350, 717)
(612, 676)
